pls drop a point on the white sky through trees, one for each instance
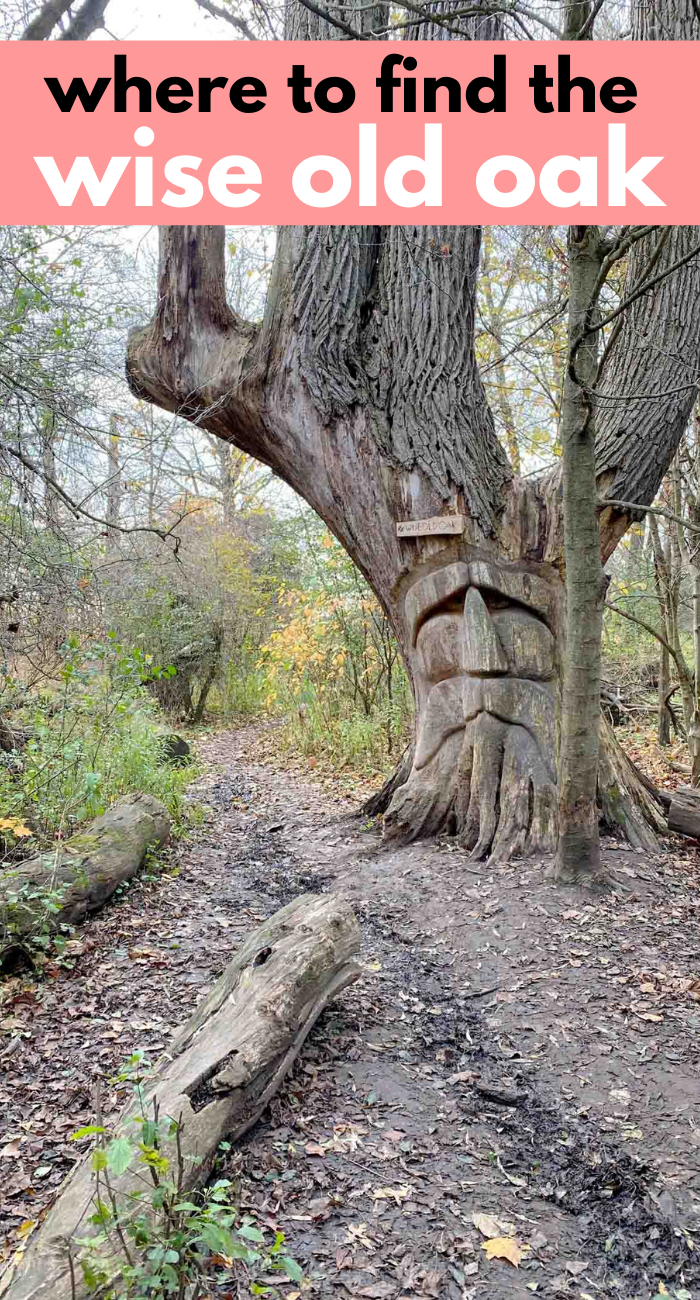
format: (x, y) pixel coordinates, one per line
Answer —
(158, 20)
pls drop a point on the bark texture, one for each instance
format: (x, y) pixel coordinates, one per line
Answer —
(578, 847)
(360, 389)
(85, 871)
(88, 19)
(684, 812)
(217, 1076)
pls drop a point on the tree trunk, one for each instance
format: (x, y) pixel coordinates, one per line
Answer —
(664, 724)
(68, 884)
(216, 1077)
(361, 391)
(578, 847)
(114, 487)
(89, 19)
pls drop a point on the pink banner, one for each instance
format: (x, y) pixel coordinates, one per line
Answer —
(349, 131)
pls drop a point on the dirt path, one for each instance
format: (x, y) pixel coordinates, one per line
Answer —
(512, 1051)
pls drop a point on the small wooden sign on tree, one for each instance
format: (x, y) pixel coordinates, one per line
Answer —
(428, 527)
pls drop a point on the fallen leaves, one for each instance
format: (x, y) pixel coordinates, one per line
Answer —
(397, 1194)
(15, 827)
(491, 1227)
(503, 1248)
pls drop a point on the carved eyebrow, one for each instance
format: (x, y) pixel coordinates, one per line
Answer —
(518, 587)
(431, 591)
(430, 594)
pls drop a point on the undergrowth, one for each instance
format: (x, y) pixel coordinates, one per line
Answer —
(158, 1234)
(92, 734)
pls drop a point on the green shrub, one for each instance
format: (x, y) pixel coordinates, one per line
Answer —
(167, 1241)
(93, 737)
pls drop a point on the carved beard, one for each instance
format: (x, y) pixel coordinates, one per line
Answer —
(484, 667)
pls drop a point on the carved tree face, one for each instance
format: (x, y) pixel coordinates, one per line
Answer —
(484, 661)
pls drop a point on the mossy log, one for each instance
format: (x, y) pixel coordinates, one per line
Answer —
(77, 878)
(216, 1077)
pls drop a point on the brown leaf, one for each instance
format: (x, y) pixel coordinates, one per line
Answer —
(314, 1149)
(489, 1226)
(432, 1283)
(397, 1194)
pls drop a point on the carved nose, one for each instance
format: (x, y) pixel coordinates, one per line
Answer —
(482, 650)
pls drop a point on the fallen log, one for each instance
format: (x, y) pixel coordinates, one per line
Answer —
(684, 811)
(216, 1078)
(77, 878)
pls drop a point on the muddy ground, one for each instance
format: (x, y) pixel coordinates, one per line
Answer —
(513, 1050)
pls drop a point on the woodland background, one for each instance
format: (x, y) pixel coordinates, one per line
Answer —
(154, 576)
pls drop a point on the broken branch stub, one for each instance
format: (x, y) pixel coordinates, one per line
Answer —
(216, 1078)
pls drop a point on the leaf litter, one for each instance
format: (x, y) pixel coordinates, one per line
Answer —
(504, 1105)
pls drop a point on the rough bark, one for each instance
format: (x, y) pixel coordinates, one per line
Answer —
(578, 846)
(360, 389)
(218, 1074)
(83, 873)
(630, 806)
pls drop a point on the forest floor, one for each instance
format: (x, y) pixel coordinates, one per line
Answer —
(518, 1061)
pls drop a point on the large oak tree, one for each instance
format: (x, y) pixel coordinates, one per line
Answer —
(361, 390)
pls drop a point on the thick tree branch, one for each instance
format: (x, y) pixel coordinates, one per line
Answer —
(644, 288)
(89, 19)
(41, 27)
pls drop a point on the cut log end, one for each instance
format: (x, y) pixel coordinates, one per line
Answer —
(684, 812)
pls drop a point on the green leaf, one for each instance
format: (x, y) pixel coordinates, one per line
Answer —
(85, 1132)
(291, 1268)
(218, 1239)
(120, 1153)
(250, 1233)
(99, 1159)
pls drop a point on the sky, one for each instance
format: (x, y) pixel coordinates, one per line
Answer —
(157, 20)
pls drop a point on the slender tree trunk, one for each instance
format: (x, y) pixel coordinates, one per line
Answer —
(48, 465)
(578, 849)
(667, 585)
(114, 480)
(664, 725)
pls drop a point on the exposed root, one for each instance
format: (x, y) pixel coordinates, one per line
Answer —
(489, 785)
